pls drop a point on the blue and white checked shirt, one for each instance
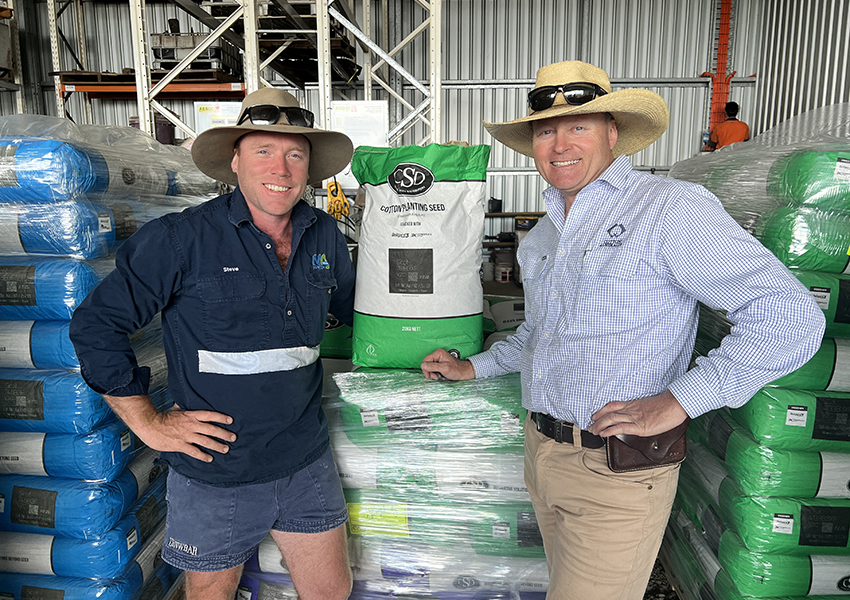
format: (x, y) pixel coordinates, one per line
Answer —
(611, 302)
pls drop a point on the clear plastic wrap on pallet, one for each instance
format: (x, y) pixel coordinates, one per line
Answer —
(770, 524)
(812, 421)
(146, 577)
(394, 567)
(828, 369)
(104, 557)
(74, 508)
(100, 455)
(403, 408)
(46, 159)
(749, 572)
(765, 471)
(463, 475)
(790, 187)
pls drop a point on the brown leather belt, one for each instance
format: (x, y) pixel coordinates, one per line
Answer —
(562, 431)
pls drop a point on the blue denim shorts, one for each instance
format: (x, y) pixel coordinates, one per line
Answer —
(212, 528)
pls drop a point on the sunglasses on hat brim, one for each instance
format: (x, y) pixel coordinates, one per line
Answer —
(575, 94)
(269, 114)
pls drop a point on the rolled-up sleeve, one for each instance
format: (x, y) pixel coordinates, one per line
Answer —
(147, 275)
(777, 325)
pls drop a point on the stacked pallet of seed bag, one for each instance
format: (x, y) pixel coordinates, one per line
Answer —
(763, 508)
(82, 502)
(433, 478)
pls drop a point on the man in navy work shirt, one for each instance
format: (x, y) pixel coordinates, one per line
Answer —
(244, 283)
(613, 275)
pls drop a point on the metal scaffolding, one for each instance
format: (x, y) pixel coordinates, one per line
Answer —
(241, 28)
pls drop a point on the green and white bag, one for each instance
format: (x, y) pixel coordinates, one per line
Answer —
(419, 255)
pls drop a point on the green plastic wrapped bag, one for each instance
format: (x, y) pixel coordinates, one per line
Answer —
(419, 255)
(768, 524)
(499, 529)
(764, 471)
(798, 419)
(812, 177)
(806, 238)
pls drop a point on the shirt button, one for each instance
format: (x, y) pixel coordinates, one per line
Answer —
(329, 291)
(289, 313)
(562, 252)
(538, 375)
(268, 246)
(545, 335)
(554, 294)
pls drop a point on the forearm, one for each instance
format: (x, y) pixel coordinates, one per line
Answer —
(137, 412)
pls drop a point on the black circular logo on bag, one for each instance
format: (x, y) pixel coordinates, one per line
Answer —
(844, 584)
(410, 179)
(466, 582)
(129, 176)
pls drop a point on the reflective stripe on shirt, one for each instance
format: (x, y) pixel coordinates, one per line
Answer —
(261, 361)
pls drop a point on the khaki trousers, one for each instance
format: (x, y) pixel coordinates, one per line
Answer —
(601, 530)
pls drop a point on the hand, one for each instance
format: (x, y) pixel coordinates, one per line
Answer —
(175, 430)
(442, 365)
(643, 417)
(178, 430)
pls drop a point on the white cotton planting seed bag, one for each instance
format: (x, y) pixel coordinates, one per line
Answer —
(419, 254)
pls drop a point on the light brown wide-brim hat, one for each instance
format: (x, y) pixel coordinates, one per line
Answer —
(330, 151)
(641, 115)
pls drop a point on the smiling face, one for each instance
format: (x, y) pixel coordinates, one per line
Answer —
(573, 150)
(273, 170)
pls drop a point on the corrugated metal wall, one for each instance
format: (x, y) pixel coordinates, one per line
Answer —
(809, 58)
(492, 49)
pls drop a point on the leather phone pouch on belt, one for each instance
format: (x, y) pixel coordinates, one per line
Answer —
(635, 453)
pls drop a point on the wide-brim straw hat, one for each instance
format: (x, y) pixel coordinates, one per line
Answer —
(641, 115)
(330, 151)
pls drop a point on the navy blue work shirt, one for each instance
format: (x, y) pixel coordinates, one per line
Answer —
(241, 335)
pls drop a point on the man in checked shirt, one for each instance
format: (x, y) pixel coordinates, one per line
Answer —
(612, 277)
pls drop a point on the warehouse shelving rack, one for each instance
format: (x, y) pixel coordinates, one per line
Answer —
(241, 28)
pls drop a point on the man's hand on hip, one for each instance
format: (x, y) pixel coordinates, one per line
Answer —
(643, 417)
(174, 430)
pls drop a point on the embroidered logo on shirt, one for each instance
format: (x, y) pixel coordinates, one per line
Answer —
(229, 269)
(320, 262)
(614, 232)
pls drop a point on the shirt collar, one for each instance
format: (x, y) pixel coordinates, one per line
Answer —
(616, 175)
(239, 213)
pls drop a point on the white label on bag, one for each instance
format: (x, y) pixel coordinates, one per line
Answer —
(835, 476)
(796, 416)
(830, 575)
(821, 296)
(502, 530)
(783, 523)
(22, 452)
(132, 538)
(369, 416)
(840, 380)
(842, 169)
(26, 553)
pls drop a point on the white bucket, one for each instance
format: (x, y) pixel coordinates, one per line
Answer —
(504, 272)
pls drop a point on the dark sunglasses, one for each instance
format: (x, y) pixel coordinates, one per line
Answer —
(574, 93)
(269, 114)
